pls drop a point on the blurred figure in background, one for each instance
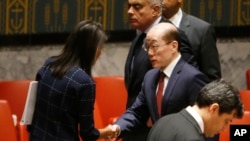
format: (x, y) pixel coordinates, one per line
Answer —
(201, 35)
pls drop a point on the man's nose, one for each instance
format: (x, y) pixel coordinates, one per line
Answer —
(130, 10)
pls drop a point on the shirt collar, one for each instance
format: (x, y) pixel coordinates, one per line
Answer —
(197, 117)
(154, 23)
(169, 69)
(176, 19)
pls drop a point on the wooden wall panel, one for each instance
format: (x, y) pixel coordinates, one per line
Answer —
(60, 16)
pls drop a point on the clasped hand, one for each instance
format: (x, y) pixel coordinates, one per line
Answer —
(110, 132)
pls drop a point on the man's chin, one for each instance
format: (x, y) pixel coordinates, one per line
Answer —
(156, 66)
(134, 24)
(210, 135)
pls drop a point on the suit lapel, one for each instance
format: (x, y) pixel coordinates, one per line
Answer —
(192, 120)
(130, 58)
(185, 23)
(171, 83)
(152, 93)
(139, 58)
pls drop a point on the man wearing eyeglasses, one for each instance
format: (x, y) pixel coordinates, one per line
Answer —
(143, 14)
(201, 35)
(179, 87)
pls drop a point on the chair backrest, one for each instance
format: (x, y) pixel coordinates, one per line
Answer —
(8, 131)
(245, 120)
(111, 96)
(245, 96)
(98, 117)
(248, 78)
(15, 92)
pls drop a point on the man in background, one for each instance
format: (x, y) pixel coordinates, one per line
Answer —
(201, 36)
(172, 85)
(143, 14)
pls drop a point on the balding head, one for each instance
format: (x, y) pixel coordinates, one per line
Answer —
(162, 44)
(164, 31)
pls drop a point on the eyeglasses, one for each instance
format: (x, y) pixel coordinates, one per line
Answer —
(154, 47)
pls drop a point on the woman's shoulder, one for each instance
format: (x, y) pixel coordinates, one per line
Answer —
(78, 76)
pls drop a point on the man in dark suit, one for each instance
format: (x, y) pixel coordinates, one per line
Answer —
(202, 38)
(201, 35)
(181, 84)
(217, 104)
(143, 15)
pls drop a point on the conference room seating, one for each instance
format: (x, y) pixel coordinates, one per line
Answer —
(111, 97)
(15, 92)
(8, 130)
(225, 134)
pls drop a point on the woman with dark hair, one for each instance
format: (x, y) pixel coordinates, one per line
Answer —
(66, 90)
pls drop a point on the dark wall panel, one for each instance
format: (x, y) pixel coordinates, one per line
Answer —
(50, 21)
(220, 12)
(59, 16)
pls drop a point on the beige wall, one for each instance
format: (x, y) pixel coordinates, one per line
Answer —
(22, 62)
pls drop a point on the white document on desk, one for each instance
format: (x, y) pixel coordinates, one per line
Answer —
(30, 104)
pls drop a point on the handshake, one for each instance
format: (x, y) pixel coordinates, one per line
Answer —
(110, 132)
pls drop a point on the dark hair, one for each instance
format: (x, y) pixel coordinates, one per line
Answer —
(80, 48)
(221, 92)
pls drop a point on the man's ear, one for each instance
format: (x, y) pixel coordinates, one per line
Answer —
(156, 10)
(214, 107)
(174, 44)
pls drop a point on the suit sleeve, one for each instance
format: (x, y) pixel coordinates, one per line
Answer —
(136, 116)
(198, 82)
(209, 59)
(186, 49)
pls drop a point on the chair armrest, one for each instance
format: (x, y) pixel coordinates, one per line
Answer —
(22, 132)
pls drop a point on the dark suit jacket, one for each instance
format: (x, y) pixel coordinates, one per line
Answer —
(183, 87)
(180, 126)
(62, 105)
(134, 78)
(202, 38)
